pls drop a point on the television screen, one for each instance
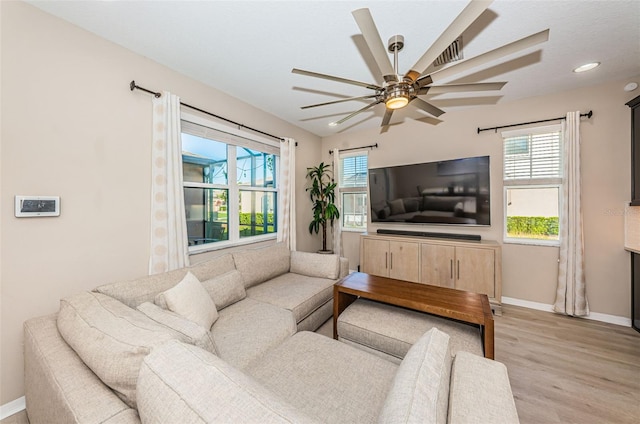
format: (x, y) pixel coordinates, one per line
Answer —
(454, 192)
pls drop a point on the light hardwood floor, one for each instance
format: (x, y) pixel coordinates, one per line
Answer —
(562, 370)
(569, 370)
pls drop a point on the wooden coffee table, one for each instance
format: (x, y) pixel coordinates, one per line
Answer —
(463, 306)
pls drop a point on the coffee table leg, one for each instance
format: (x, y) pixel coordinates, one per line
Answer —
(488, 335)
(340, 302)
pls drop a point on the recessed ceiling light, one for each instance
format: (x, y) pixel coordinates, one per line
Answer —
(586, 67)
(333, 124)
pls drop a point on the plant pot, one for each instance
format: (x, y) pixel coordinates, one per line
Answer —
(325, 252)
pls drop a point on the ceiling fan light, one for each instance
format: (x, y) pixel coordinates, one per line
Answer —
(397, 102)
(586, 67)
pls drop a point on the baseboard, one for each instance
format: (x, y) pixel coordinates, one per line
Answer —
(595, 316)
(13, 407)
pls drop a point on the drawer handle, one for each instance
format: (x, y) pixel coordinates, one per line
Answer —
(386, 260)
(452, 269)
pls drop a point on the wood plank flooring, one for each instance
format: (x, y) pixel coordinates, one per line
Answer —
(562, 370)
(569, 370)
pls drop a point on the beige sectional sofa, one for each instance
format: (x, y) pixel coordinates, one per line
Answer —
(225, 341)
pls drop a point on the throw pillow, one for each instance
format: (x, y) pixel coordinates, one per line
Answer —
(226, 289)
(397, 207)
(191, 300)
(189, 331)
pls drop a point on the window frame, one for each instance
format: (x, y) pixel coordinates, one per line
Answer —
(364, 189)
(227, 136)
(533, 183)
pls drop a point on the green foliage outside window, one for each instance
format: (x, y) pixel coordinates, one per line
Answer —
(540, 227)
(245, 218)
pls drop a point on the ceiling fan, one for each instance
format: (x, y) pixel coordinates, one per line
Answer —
(398, 91)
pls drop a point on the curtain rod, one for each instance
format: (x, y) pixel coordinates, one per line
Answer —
(588, 115)
(370, 146)
(134, 86)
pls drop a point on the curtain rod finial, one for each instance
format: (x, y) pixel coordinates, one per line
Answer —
(132, 85)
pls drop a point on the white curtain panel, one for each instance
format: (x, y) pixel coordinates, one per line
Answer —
(287, 194)
(571, 296)
(337, 225)
(169, 245)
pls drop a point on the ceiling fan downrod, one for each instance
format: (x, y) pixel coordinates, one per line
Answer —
(397, 93)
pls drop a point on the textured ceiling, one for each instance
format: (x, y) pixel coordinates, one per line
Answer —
(248, 48)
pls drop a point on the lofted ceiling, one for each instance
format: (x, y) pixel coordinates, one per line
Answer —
(248, 48)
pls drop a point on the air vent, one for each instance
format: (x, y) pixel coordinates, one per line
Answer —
(452, 53)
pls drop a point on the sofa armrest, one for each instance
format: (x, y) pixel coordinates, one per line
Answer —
(344, 267)
(480, 392)
(315, 265)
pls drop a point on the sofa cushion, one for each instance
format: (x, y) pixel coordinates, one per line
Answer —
(298, 293)
(393, 330)
(420, 391)
(111, 338)
(135, 292)
(315, 264)
(247, 329)
(179, 383)
(193, 333)
(258, 265)
(326, 379)
(59, 387)
(480, 392)
(225, 289)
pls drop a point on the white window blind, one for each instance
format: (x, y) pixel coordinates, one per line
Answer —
(534, 155)
(353, 171)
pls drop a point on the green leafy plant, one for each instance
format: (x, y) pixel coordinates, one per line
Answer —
(533, 226)
(322, 194)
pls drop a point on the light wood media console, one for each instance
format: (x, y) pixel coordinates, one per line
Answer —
(474, 266)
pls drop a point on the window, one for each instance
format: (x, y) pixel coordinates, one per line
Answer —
(353, 191)
(230, 187)
(532, 185)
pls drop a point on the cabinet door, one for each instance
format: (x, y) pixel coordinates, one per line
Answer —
(475, 270)
(375, 257)
(404, 261)
(437, 265)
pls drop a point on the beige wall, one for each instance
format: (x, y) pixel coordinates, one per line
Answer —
(530, 272)
(71, 127)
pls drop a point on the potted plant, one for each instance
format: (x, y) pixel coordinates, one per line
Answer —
(322, 194)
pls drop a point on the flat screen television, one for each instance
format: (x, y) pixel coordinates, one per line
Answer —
(450, 192)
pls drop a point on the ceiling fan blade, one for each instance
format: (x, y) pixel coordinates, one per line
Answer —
(387, 117)
(469, 14)
(339, 101)
(427, 107)
(374, 42)
(458, 88)
(487, 57)
(337, 79)
(352, 114)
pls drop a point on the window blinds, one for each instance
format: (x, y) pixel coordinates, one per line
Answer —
(353, 171)
(533, 156)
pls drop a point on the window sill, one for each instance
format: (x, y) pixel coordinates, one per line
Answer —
(354, 230)
(209, 247)
(532, 242)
